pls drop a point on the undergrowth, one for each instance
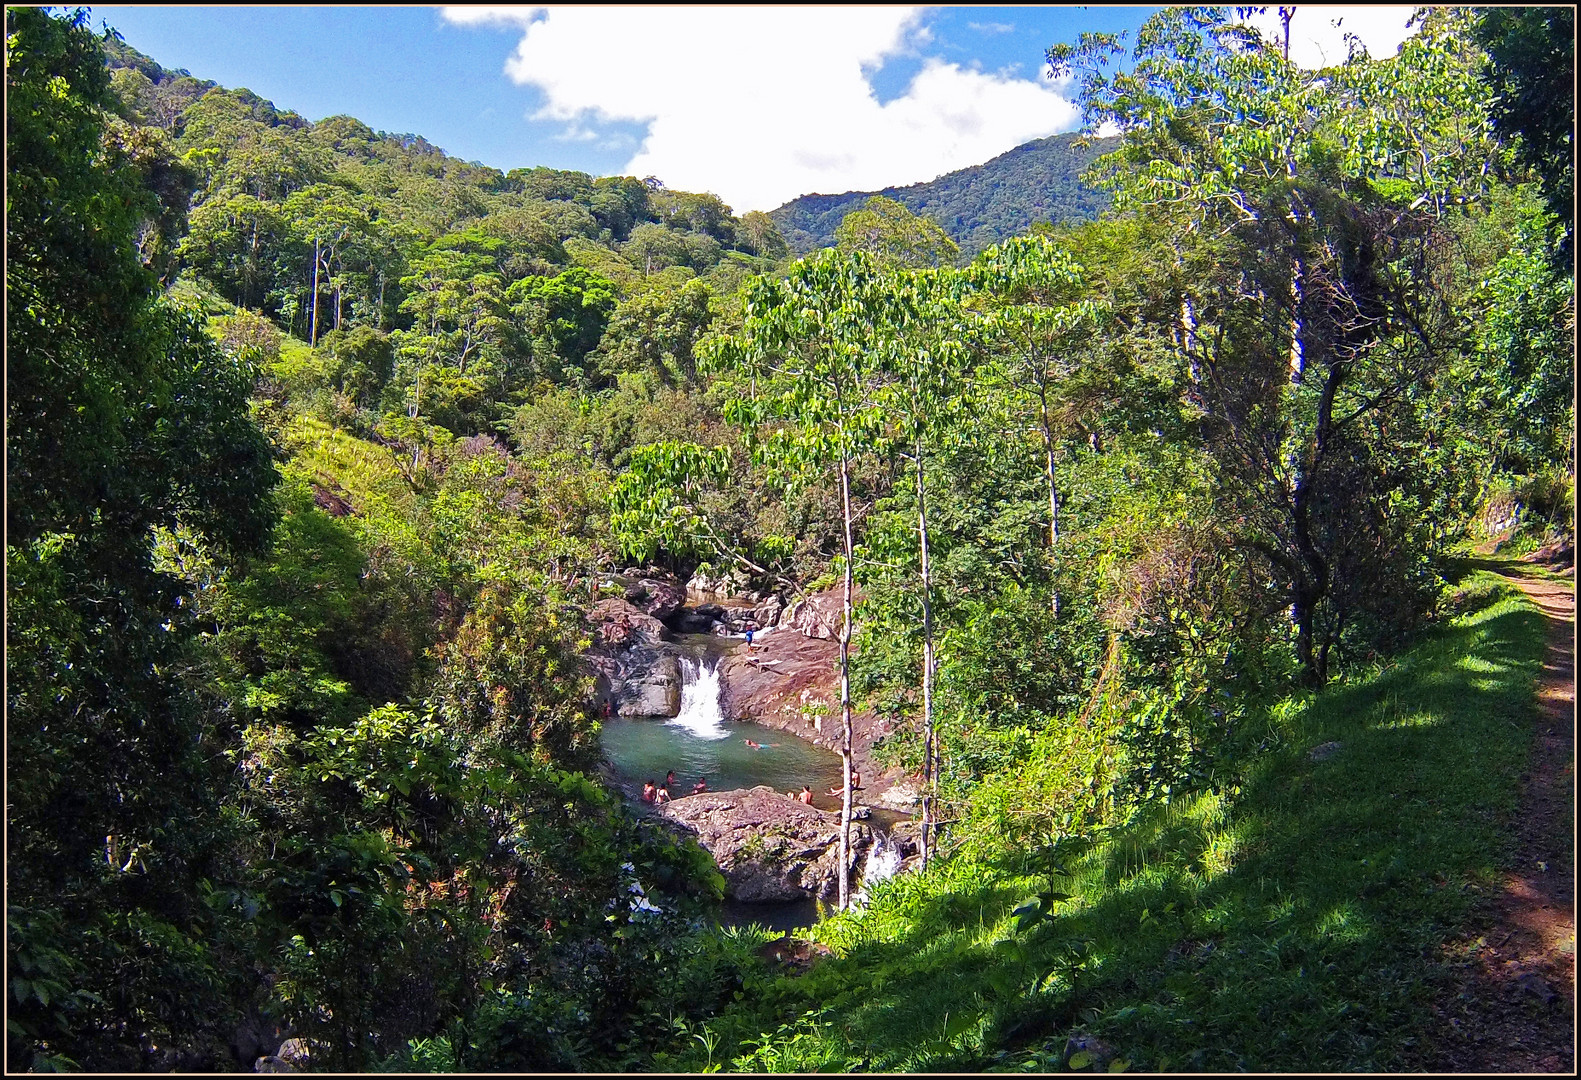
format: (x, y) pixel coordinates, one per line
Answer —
(1291, 924)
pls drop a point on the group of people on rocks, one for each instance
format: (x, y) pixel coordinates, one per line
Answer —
(654, 794)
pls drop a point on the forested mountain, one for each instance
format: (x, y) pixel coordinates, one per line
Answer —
(1138, 540)
(1039, 181)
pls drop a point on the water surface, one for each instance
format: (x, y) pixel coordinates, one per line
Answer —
(644, 748)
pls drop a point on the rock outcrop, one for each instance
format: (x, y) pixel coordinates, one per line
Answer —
(792, 683)
(659, 595)
(818, 615)
(635, 675)
(769, 846)
(729, 583)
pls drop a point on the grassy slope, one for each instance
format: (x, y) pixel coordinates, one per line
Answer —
(1295, 926)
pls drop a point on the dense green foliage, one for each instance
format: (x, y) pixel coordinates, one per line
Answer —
(321, 442)
(306, 746)
(1532, 69)
(1039, 182)
(1287, 924)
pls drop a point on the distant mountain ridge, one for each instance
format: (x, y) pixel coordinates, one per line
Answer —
(978, 206)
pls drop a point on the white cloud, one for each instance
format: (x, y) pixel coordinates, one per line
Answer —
(1315, 40)
(991, 28)
(760, 105)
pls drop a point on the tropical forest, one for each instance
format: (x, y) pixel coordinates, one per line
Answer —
(1108, 609)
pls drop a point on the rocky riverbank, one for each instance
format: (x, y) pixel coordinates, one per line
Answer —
(772, 848)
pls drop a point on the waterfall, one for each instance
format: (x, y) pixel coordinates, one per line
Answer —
(700, 712)
(883, 861)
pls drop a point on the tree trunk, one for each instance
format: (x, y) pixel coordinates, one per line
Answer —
(929, 751)
(845, 685)
(312, 335)
(1303, 613)
(1298, 357)
(1048, 457)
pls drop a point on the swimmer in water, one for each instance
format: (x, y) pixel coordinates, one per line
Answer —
(806, 795)
(649, 792)
(663, 795)
(755, 746)
(702, 786)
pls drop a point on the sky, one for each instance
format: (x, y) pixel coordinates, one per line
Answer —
(756, 104)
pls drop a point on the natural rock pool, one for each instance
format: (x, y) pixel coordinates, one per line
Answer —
(700, 743)
(643, 749)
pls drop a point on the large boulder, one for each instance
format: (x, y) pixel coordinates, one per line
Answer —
(635, 673)
(818, 615)
(769, 846)
(659, 595)
(727, 583)
(792, 683)
(767, 613)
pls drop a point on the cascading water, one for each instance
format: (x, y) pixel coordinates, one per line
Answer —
(700, 714)
(883, 861)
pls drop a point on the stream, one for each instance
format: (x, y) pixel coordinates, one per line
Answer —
(701, 743)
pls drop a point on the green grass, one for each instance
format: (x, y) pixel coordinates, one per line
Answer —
(1298, 925)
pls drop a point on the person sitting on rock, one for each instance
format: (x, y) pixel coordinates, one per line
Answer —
(856, 784)
(663, 795)
(701, 786)
(805, 796)
(649, 791)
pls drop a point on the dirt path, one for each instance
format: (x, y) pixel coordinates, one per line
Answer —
(1515, 1010)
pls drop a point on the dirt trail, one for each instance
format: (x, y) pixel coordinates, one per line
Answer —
(1515, 1011)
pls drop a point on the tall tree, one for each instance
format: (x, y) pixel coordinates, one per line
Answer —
(1329, 186)
(1035, 321)
(810, 353)
(887, 230)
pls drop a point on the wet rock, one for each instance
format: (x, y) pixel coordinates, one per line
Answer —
(733, 619)
(693, 622)
(769, 847)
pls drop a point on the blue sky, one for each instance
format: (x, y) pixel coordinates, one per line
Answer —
(756, 104)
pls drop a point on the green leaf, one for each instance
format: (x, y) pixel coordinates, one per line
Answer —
(1081, 1059)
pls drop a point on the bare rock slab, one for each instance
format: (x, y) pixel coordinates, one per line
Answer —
(769, 847)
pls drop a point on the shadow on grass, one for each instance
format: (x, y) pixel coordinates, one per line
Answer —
(1297, 930)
